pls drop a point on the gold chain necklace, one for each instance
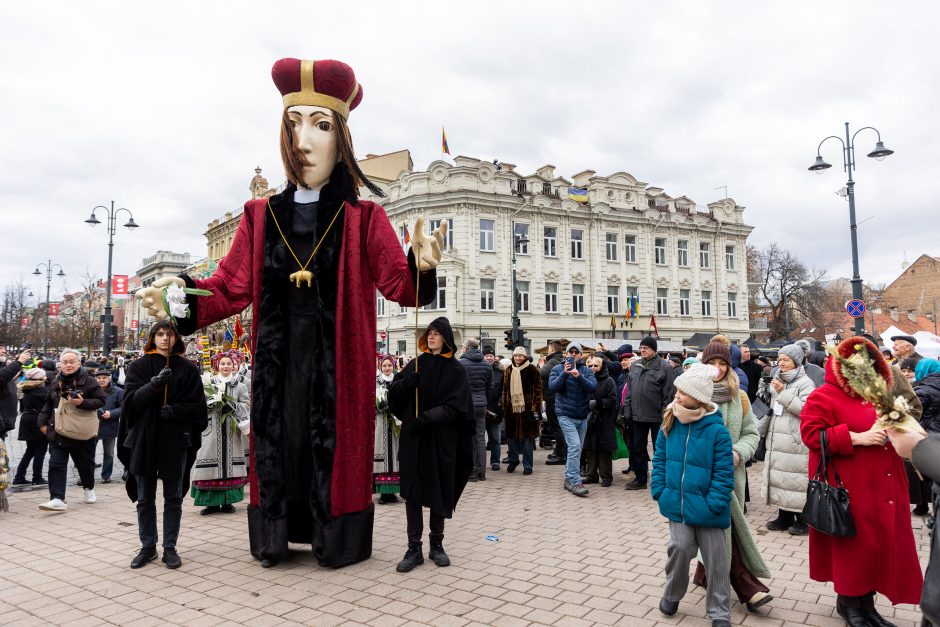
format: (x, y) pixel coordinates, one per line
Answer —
(303, 275)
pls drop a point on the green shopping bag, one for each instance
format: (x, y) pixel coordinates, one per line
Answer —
(622, 451)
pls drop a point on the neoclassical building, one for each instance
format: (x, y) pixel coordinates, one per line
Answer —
(578, 263)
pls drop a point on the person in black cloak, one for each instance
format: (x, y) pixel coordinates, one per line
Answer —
(436, 446)
(164, 415)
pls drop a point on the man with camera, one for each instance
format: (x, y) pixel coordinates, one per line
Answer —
(159, 435)
(69, 420)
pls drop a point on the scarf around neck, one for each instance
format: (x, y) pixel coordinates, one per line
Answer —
(790, 376)
(516, 395)
(722, 392)
(685, 415)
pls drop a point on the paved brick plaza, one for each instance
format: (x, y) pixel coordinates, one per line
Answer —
(560, 560)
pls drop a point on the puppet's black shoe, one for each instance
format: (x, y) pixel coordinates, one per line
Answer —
(412, 558)
(437, 554)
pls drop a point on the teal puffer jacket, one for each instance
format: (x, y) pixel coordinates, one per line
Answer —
(693, 472)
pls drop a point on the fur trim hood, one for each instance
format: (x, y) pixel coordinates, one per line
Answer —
(846, 349)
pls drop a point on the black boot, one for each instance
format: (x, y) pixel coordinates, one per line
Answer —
(412, 558)
(437, 554)
(782, 522)
(868, 607)
(850, 609)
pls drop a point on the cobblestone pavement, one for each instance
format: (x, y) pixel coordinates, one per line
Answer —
(560, 560)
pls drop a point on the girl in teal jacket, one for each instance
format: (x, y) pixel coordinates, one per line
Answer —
(692, 480)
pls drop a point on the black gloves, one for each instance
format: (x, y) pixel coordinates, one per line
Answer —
(420, 422)
(162, 378)
(166, 412)
(412, 379)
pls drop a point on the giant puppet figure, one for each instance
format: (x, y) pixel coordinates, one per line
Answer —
(309, 260)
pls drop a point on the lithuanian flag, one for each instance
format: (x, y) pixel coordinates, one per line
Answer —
(444, 147)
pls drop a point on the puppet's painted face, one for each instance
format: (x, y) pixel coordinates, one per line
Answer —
(315, 138)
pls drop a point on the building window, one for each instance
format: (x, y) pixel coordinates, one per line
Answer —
(577, 240)
(706, 303)
(487, 295)
(379, 305)
(662, 301)
(522, 287)
(611, 247)
(732, 304)
(402, 347)
(633, 292)
(551, 298)
(440, 297)
(449, 238)
(729, 257)
(613, 299)
(577, 298)
(685, 306)
(521, 237)
(704, 252)
(629, 248)
(487, 235)
(550, 236)
(660, 250)
(682, 253)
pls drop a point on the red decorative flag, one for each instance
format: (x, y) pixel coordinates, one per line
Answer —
(407, 237)
(53, 310)
(119, 285)
(239, 329)
(444, 148)
(653, 325)
(133, 324)
(24, 323)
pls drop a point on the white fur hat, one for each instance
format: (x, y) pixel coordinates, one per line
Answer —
(698, 382)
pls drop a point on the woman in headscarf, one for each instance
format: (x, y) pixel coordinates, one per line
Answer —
(787, 458)
(927, 387)
(522, 405)
(220, 473)
(431, 396)
(743, 554)
(387, 428)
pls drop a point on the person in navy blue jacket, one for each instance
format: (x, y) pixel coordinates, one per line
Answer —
(573, 384)
(109, 418)
(692, 480)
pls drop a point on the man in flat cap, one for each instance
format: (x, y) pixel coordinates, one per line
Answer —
(904, 348)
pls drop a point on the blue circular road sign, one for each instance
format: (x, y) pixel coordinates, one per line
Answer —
(855, 308)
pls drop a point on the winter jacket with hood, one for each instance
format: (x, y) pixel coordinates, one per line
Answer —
(693, 472)
(736, 366)
(572, 394)
(928, 391)
(650, 389)
(109, 428)
(480, 376)
(34, 397)
(787, 458)
(926, 458)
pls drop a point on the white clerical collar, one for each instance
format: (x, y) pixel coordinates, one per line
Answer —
(304, 196)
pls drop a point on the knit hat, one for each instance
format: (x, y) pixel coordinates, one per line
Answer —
(650, 342)
(689, 361)
(716, 349)
(573, 346)
(627, 355)
(794, 352)
(519, 350)
(488, 350)
(908, 364)
(805, 345)
(36, 374)
(698, 382)
(47, 364)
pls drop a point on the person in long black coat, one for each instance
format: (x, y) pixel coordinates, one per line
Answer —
(164, 416)
(34, 390)
(109, 418)
(601, 439)
(436, 444)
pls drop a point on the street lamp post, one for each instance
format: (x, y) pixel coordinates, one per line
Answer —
(848, 163)
(112, 227)
(48, 267)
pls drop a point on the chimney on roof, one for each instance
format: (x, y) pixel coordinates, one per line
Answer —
(912, 315)
(893, 313)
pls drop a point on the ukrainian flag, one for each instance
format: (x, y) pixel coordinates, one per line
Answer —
(577, 194)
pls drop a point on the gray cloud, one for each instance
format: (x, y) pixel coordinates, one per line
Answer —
(167, 110)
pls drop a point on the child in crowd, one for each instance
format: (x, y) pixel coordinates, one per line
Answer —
(692, 480)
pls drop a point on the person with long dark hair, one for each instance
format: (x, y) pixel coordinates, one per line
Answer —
(387, 429)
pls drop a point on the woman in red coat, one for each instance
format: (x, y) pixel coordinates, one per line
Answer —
(882, 556)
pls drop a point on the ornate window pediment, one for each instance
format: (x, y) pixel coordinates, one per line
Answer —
(578, 277)
(706, 284)
(732, 286)
(524, 273)
(488, 272)
(662, 281)
(613, 279)
(551, 276)
(633, 280)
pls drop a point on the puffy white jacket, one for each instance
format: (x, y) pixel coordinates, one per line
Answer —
(787, 459)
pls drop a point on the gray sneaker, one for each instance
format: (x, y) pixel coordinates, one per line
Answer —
(579, 490)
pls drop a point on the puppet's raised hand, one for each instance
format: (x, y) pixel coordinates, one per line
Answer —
(152, 296)
(427, 250)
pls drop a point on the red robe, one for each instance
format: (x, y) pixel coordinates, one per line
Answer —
(882, 557)
(371, 258)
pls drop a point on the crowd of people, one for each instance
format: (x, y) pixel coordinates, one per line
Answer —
(690, 428)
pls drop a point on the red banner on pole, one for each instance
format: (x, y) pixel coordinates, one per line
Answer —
(133, 324)
(53, 310)
(119, 285)
(24, 323)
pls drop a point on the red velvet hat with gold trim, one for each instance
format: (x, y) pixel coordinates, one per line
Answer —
(325, 83)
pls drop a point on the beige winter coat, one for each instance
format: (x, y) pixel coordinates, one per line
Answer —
(787, 460)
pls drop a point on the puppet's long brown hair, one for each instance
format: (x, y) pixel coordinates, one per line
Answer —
(293, 159)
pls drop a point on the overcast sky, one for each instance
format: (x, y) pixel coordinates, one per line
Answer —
(168, 109)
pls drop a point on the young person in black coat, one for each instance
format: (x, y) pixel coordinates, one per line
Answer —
(601, 439)
(164, 416)
(34, 390)
(435, 449)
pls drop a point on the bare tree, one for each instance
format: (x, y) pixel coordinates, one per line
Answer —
(785, 289)
(14, 309)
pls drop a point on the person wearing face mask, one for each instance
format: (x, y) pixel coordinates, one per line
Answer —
(309, 260)
(387, 429)
(75, 387)
(219, 474)
(432, 397)
(787, 458)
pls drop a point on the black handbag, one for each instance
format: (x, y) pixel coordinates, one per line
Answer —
(827, 506)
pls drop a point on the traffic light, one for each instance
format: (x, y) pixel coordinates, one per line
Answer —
(510, 341)
(113, 334)
(521, 341)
